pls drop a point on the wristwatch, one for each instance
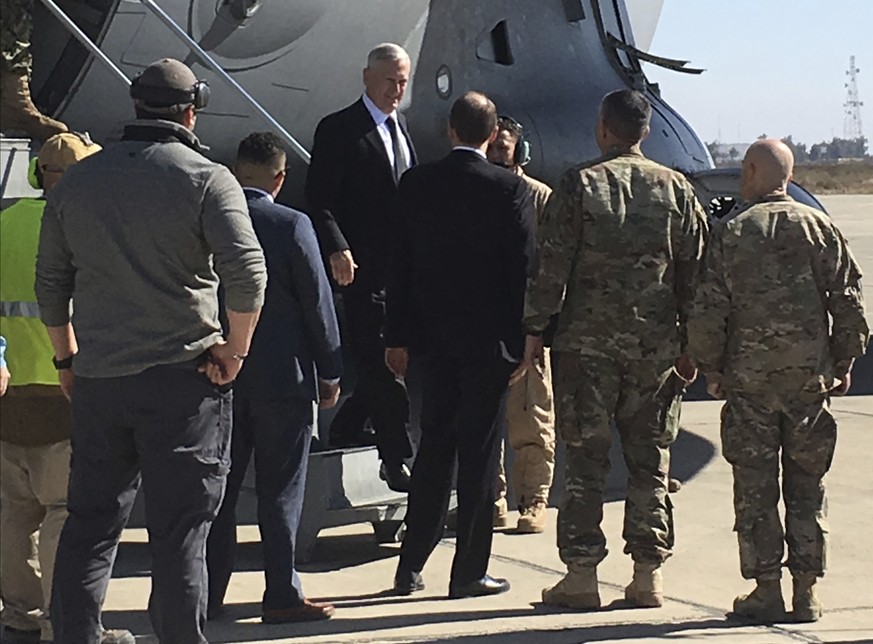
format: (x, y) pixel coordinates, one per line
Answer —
(66, 363)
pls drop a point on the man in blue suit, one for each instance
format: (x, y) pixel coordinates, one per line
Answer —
(295, 359)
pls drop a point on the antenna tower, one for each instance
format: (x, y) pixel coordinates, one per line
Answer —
(852, 118)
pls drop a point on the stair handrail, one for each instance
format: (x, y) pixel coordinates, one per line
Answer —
(210, 62)
(194, 46)
(83, 38)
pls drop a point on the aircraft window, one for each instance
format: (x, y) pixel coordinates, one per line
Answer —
(574, 10)
(444, 82)
(494, 46)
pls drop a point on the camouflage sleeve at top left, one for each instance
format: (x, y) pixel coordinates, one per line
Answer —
(558, 238)
(689, 244)
(845, 302)
(708, 317)
(15, 31)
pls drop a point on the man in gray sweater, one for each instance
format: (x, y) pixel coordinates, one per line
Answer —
(139, 237)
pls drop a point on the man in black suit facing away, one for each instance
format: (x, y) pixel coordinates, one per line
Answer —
(456, 291)
(294, 360)
(358, 156)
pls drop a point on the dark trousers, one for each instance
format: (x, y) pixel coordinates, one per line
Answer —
(463, 403)
(377, 395)
(279, 433)
(170, 427)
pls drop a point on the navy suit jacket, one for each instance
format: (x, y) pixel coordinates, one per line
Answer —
(297, 338)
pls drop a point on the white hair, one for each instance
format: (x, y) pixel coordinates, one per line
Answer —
(387, 51)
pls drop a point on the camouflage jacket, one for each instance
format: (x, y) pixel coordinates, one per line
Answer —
(620, 247)
(772, 276)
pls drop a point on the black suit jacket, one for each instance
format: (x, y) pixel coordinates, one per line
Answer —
(297, 337)
(463, 251)
(350, 189)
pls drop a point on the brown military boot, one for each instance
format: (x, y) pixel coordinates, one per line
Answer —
(578, 589)
(533, 518)
(17, 111)
(646, 590)
(804, 601)
(764, 604)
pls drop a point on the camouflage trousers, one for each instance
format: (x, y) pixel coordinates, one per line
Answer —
(644, 400)
(530, 425)
(15, 28)
(756, 431)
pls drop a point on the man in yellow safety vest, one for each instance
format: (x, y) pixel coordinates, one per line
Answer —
(35, 422)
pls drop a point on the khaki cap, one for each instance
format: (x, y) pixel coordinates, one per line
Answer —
(63, 150)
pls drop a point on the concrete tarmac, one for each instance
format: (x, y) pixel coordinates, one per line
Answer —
(701, 579)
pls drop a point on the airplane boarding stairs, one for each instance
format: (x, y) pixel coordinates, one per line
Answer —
(343, 485)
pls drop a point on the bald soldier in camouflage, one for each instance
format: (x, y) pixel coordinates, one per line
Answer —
(624, 237)
(777, 322)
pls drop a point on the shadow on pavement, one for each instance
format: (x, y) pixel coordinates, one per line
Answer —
(332, 552)
(229, 631)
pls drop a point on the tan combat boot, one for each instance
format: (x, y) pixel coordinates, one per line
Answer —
(17, 111)
(764, 604)
(533, 518)
(805, 602)
(501, 513)
(646, 590)
(578, 589)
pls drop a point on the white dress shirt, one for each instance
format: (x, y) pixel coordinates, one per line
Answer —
(379, 117)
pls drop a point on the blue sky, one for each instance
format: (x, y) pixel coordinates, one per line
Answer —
(774, 67)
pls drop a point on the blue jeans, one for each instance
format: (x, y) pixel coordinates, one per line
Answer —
(279, 433)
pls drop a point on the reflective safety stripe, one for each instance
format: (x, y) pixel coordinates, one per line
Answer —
(19, 309)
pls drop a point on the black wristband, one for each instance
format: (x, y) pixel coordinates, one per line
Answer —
(66, 363)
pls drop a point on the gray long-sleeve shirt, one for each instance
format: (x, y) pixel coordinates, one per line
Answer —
(138, 236)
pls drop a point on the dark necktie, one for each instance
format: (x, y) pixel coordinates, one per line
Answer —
(400, 164)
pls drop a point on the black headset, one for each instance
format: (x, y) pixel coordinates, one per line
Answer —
(522, 147)
(168, 99)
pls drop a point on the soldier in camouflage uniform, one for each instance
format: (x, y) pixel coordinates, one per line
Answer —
(624, 237)
(17, 111)
(776, 324)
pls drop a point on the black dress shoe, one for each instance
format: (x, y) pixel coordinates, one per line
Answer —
(407, 582)
(396, 476)
(486, 586)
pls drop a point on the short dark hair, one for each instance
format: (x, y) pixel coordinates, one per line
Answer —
(260, 148)
(473, 118)
(510, 125)
(626, 113)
